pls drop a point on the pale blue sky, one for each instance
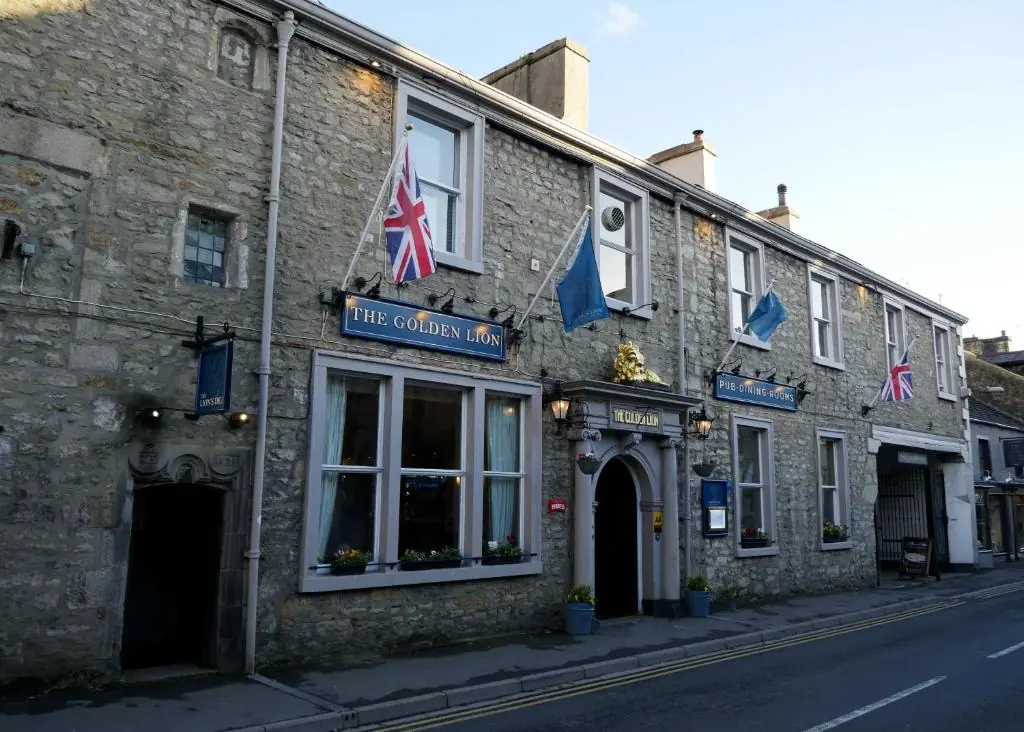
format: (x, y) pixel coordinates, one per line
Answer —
(896, 125)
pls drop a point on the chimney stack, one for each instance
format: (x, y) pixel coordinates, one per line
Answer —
(554, 79)
(782, 214)
(693, 162)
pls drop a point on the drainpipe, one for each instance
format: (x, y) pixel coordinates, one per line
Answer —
(688, 513)
(285, 30)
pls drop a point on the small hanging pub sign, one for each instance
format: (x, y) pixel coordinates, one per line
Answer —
(213, 378)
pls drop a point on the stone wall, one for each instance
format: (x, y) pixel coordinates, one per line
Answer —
(153, 107)
(138, 90)
(834, 403)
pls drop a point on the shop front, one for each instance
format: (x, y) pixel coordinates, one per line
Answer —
(626, 523)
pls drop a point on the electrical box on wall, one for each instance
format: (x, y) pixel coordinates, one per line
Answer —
(715, 507)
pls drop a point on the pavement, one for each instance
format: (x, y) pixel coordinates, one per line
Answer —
(469, 675)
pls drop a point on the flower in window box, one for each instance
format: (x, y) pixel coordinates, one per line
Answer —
(832, 533)
(752, 537)
(349, 561)
(415, 560)
(503, 552)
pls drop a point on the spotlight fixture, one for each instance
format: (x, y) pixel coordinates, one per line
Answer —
(449, 305)
(736, 369)
(653, 305)
(149, 416)
(494, 312)
(769, 375)
(374, 292)
(238, 419)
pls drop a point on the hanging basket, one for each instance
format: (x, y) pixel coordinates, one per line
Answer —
(703, 469)
(588, 464)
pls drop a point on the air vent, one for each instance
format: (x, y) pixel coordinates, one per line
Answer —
(613, 218)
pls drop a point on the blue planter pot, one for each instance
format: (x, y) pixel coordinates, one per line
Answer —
(579, 618)
(698, 604)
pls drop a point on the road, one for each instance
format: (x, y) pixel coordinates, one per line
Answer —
(957, 670)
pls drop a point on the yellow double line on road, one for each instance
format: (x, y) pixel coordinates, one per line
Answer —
(632, 677)
(998, 591)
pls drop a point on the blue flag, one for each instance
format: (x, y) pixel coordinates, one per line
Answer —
(580, 295)
(767, 316)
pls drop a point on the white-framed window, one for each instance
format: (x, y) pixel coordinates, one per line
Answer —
(621, 238)
(754, 478)
(745, 272)
(408, 459)
(447, 146)
(943, 361)
(895, 332)
(833, 489)
(826, 318)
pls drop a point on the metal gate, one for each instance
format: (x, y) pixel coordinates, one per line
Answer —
(911, 502)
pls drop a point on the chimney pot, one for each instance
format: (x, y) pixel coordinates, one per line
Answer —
(698, 135)
(781, 188)
(1002, 333)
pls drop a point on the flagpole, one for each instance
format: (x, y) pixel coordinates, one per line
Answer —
(378, 202)
(878, 393)
(771, 286)
(572, 237)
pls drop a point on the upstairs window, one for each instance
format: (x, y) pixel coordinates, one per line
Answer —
(985, 457)
(895, 334)
(943, 362)
(826, 319)
(206, 242)
(621, 230)
(447, 143)
(745, 271)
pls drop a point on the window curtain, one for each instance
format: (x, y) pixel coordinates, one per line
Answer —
(503, 450)
(334, 435)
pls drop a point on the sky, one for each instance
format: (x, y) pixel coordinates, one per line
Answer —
(897, 126)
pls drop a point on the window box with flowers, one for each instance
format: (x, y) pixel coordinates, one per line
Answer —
(502, 552)
(834, 534)
(416, 561)
(349, 561)
(754, 539)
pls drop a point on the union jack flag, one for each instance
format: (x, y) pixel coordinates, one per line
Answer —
(899, 386)
(408, 233)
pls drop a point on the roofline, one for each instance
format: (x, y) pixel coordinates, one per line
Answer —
(541, 126)
(1000, 425)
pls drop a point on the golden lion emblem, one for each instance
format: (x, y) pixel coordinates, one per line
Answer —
(630, 366)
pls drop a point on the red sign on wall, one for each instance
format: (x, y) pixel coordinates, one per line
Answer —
(558, 505)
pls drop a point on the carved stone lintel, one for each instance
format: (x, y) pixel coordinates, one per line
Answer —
(579, 434)
(631, 439)
(671, 443)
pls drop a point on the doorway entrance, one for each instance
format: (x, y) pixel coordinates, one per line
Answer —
(615, 541)
(170, 605)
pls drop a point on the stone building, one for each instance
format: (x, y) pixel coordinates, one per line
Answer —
(998, 351)
(183, 175)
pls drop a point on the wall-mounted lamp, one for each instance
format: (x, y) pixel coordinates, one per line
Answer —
(494, 312)
(375, 64)
(449, 305)
(374, 292)
(150, 416)
(559, 407)
(736, 368)
(700, 424)
(238, 419)
(769, 375)
(653, 305)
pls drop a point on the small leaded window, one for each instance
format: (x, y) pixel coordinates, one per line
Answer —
(205, 242)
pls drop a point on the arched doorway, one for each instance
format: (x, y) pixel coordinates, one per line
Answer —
(174, 558)
(615, 541)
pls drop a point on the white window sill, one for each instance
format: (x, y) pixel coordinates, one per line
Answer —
(836, 546)
(768, 551)
(828, 363)
(454, 261)
(947, 396)
(398, 578)
(753, 341)
(644, 313)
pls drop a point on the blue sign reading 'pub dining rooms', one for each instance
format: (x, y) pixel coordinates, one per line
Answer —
(732, 388)
(408, 325)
